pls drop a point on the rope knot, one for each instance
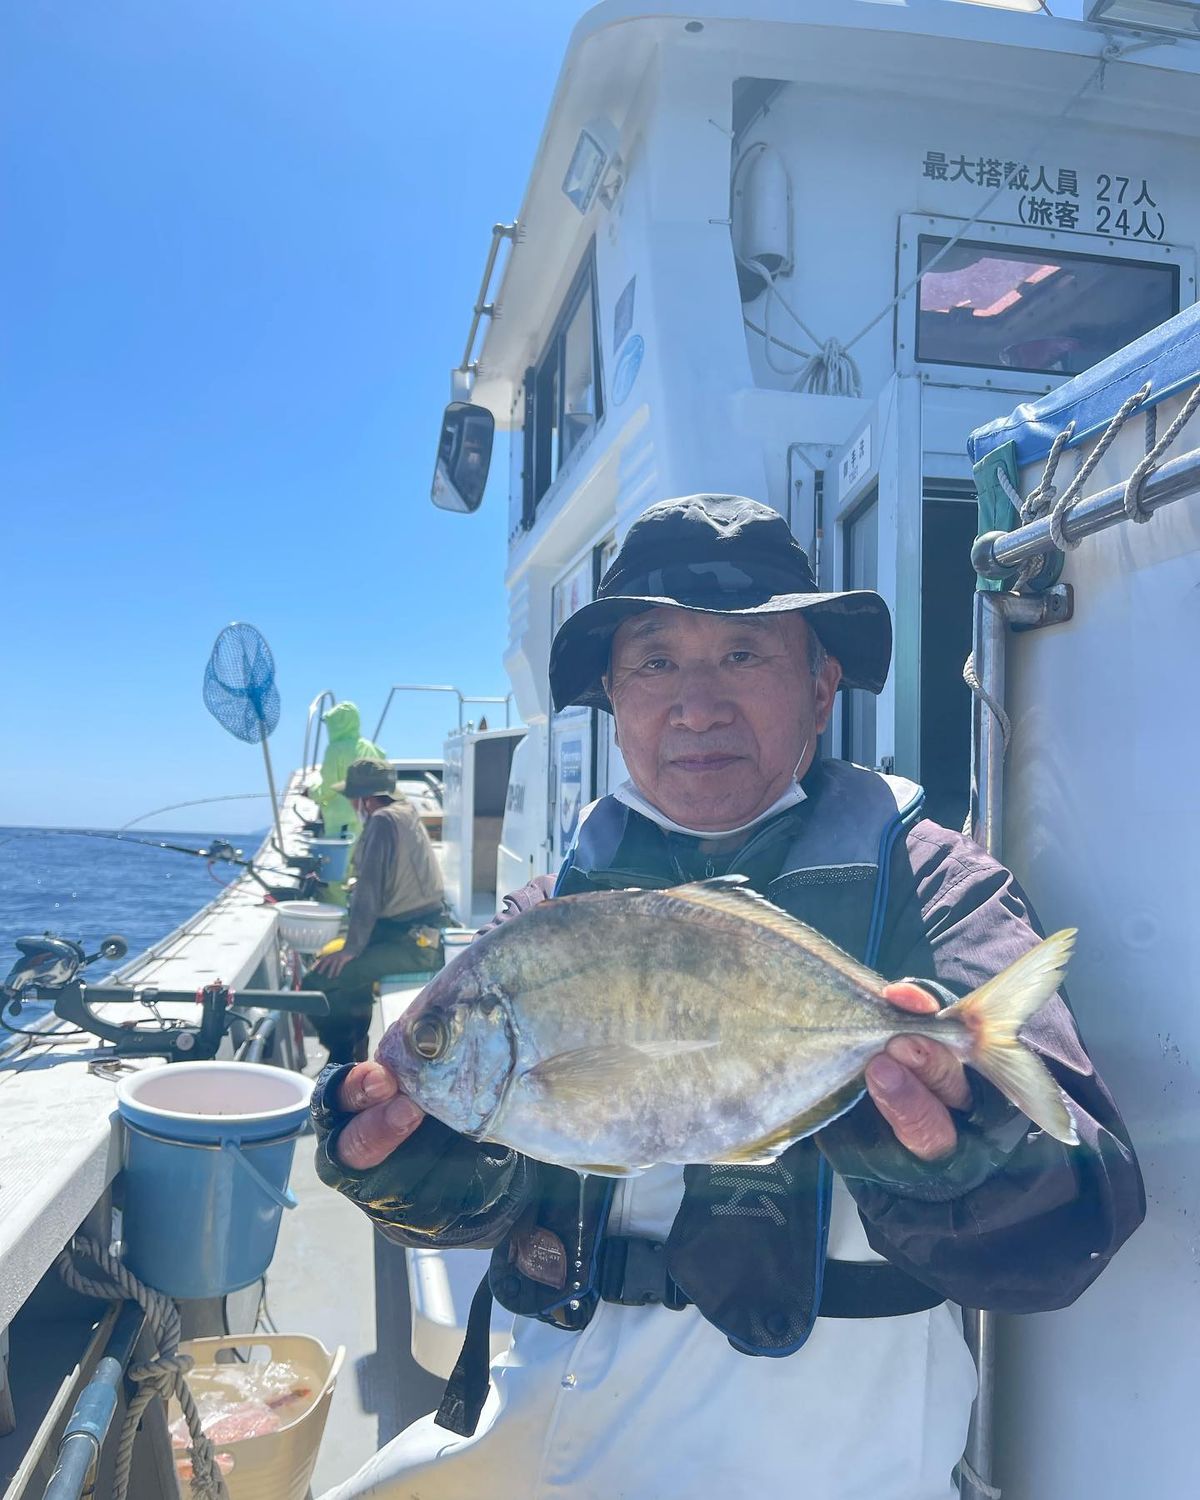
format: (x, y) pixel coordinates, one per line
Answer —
(162, 1377)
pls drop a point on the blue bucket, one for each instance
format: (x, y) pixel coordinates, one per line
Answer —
(208, 1150)
(334, 855)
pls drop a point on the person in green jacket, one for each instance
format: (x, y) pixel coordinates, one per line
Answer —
(345, 745)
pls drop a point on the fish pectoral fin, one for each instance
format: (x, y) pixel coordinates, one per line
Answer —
(768, 1147)
(586, 1069)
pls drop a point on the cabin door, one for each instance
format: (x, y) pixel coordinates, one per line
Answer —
(873, 529)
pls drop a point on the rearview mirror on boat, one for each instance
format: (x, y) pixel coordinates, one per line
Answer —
(464, 456)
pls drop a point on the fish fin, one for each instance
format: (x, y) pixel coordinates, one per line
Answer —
(595, 1170)
(599, 1068)
(732, 896)
(993, 1015)
(758, 1153)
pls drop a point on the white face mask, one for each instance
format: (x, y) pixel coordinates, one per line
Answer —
(631, 797)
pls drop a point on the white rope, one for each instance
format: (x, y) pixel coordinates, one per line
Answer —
(163, 1376)
(1070, 495)
(977, 1483)
(1044, 491)
(830, 371)
(971, 678)
(1154, 451)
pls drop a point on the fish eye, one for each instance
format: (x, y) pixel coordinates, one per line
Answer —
(429, 1037)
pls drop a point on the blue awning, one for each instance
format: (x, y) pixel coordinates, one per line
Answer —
(1168, 356)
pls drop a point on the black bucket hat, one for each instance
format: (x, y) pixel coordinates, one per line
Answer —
(367, 778)
(724, 555)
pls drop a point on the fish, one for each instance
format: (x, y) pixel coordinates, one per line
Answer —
(613, 1031)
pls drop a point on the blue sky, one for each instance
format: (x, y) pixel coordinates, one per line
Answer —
(242, 239)
(241, 243)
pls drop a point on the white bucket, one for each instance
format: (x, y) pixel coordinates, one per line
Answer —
(308, 925)
(455, 939)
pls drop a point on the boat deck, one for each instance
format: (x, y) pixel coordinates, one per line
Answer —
(325, 1247)
(59, 1154)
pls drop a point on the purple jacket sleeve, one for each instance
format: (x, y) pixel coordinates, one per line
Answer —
(1013, 1220)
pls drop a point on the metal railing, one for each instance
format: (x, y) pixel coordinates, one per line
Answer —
(483, 307)
(1174, 479)
(428, 687)
(315, 710)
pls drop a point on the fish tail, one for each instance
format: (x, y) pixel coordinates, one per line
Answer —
(993, 1015)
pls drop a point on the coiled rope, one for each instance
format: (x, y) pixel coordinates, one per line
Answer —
(163, 1376)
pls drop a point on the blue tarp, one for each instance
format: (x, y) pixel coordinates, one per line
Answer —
(1168, 356)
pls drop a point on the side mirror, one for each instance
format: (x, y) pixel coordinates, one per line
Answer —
(464, 456)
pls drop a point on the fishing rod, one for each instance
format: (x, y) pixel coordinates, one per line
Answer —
(219, 849)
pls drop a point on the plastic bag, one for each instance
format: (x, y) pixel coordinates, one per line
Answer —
(238, 1401)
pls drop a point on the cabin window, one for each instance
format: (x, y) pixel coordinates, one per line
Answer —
(564, 401)
(1040, 310)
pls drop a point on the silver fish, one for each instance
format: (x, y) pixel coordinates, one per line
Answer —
(608, 1032)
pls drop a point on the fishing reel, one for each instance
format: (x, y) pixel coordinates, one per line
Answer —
(51, 963)
(49, 969)
(221, 851)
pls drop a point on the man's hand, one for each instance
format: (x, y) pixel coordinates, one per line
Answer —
(384, 1118)
(915, 1083)
(333, 963)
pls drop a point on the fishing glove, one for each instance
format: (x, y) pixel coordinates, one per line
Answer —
(437, 1188)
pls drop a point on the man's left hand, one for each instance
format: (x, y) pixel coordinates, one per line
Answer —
(915, 1082)
(333, 963)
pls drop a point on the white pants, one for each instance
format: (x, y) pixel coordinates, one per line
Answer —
(655, 1405)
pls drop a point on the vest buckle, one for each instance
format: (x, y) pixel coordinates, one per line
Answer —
(633, 1272)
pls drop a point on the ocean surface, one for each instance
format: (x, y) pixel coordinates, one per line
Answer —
(84, 887)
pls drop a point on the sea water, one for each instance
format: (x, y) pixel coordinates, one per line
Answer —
(86, 888)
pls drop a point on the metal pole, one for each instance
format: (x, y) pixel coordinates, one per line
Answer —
(989, 634)
(88, 1424)
(484, 308)
(1175, 479)
(994, 613)
(274, 797)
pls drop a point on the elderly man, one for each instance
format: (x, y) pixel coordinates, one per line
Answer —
(396, 902)
(767, 1330)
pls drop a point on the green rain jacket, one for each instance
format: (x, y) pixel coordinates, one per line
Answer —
(345, 745)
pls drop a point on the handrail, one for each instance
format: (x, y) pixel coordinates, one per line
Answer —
(314, 712)
(431, 687)
(1174, 479)
(484, 308)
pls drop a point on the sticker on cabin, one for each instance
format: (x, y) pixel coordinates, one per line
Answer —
(629, 362)
(570, 788)
(855, 462)
(623, 314)
(1057, 197)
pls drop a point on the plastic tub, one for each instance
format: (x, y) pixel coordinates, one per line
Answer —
(276, 1465)
(334, 855)
(207, 1153)
(308, 925)
(455, 939)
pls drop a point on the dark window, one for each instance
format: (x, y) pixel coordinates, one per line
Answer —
(947, 591)
(563, 394)
(860, 570)
(1044, 311)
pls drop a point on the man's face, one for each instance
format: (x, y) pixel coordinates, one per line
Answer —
(716, 713)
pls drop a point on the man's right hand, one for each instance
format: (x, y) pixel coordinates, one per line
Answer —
(383, 1117)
